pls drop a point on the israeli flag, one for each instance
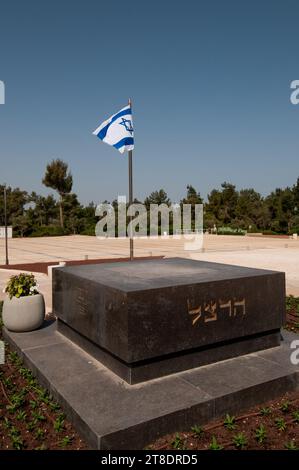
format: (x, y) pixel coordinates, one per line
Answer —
(118, 130)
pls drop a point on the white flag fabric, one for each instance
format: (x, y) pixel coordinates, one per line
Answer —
(118, 130)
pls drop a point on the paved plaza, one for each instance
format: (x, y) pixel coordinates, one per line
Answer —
(281, 254)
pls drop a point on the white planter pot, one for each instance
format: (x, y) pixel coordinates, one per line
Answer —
(24, 313)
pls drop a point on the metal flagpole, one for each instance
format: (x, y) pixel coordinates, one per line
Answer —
(131, 196)
(5, 224)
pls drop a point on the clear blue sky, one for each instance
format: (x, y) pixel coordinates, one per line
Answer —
(209, 80)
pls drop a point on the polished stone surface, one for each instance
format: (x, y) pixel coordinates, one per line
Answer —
(150, 311)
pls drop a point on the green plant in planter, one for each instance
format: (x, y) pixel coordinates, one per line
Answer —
(21, 285)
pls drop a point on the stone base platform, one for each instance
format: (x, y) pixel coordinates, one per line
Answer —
(148, 319)
(169, 364)
(110, 414)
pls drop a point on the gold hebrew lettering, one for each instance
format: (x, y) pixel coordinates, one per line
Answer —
(228, 304)
(210, 308)
(237, 304)
(194, 311)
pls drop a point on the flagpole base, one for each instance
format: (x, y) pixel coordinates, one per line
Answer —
(131, 250)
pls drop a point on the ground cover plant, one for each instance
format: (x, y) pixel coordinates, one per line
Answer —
(292, 310)
(29, 417)
(273, 426)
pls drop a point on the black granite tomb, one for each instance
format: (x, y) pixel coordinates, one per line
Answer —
(146, 319)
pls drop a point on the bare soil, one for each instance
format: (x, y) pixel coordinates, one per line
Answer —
(31, 419)
(292, 313)
(273, 426)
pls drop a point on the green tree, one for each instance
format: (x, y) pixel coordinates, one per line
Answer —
(281, 206)
(16, 199)
(229, 200)
(213, 209)
(74, 216)
(193, 197)
(157, 197)
(295, 191)
(251, 210)
(45, 210)
(59, 178)
(22, 225)
(90, 219)
(222, 204)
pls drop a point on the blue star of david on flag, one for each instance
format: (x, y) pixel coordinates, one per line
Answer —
(128, 125)
(118, 130)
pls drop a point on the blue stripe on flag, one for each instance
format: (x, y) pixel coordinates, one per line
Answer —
(103, 132)
(125, 141)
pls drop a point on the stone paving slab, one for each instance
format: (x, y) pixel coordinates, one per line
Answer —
(111, 414)
(258, 252)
